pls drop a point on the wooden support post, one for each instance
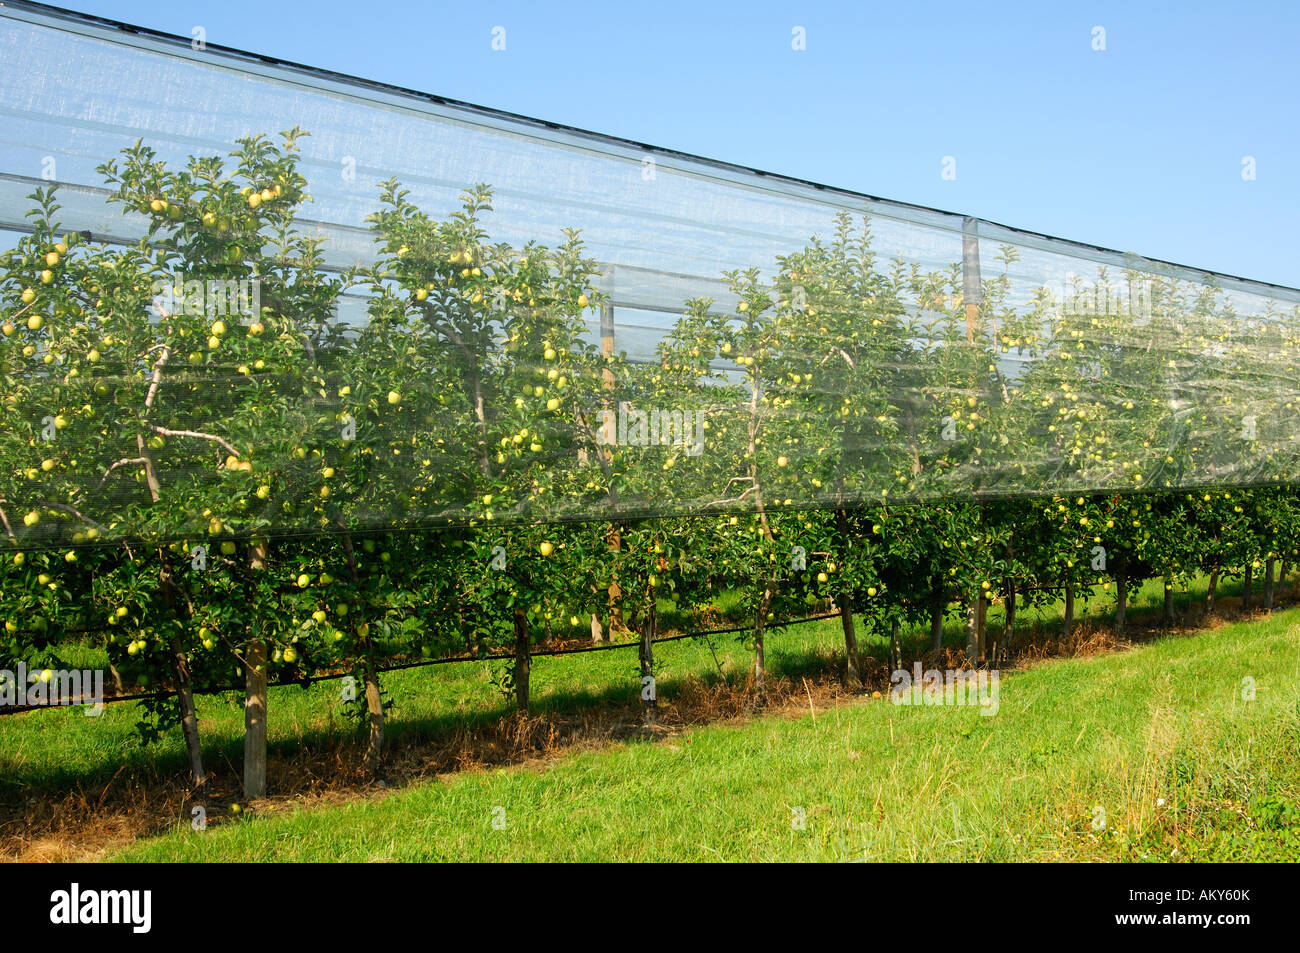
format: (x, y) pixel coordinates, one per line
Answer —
(255, 719)
(972, 289)
(608, 439)
(255, 700)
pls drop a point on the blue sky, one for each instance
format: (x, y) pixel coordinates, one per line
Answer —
(1138, 147)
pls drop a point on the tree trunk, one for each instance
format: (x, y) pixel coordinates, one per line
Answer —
(1069, 608)
(189, 716)
(1121, 602)
(1247, 580)
(937, 607)
(1169, 599)
(649, 694)
(1268, 585)
(523, 649)
(255, 698)
(895, 649)
(760, 662)
(1209, 593)
(375, 707)
(181, 671)
(255, 719)
(615, 591)
(852, 664)
(369, 675)
(975, 627)
(1281, 579)
(597, 631)
(1009, 629)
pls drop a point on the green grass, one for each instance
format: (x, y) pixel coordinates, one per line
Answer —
(58, 749)
(875, 781)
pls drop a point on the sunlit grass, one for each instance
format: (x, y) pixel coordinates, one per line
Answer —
(1146, 754)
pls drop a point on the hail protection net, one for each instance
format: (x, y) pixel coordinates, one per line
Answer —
(250, 297)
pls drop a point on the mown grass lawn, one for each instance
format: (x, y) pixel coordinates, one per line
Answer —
(1156, 742)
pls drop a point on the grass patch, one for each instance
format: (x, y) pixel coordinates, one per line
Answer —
(1157, 741)
(76, 787)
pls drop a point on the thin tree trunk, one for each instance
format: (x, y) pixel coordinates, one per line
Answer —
(615, 591)
(181, 671)
(375, 708)
(649, 694)
(895, 649)
(1281, 579)
(255, 701)
(522, 659)
(597, 631)
(369, 674)
(189, 716)
(760, 661)
(1069, 608)
(975, 628)
(1268, 585)
(937, 607)
(1209, 593)
(1247, 581)
(1009, 629)
(1121, 602)
(853, 664)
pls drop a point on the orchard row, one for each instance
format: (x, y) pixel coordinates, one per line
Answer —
(192, 616)
(274, 495)
(140, 401)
